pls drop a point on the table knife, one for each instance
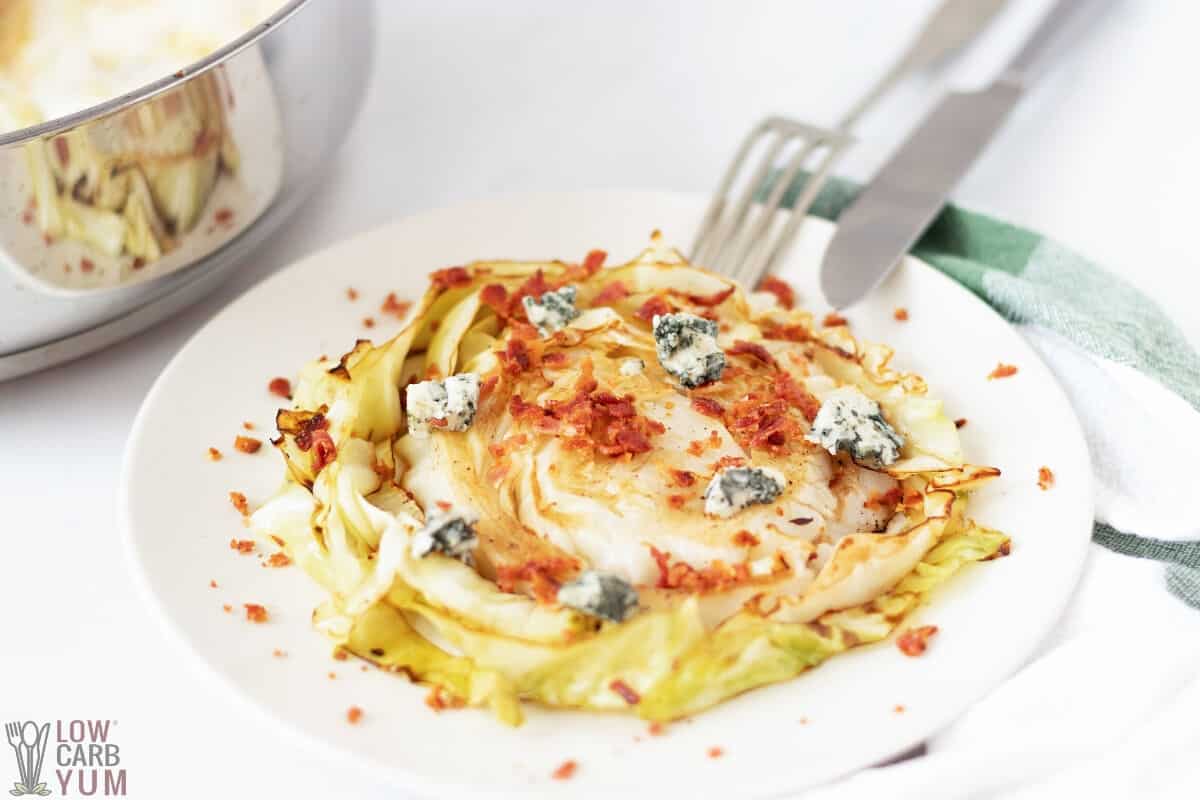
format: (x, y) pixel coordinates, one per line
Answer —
(892, 211)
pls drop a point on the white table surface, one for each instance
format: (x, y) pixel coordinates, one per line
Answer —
(470, 100)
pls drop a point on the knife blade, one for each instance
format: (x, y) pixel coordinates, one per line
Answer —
(900, 202)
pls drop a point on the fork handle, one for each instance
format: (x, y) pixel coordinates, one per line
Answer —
(951, 26)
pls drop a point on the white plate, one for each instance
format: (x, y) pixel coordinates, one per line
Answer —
(830, 721)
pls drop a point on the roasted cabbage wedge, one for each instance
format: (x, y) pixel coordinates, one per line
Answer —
(585, 455)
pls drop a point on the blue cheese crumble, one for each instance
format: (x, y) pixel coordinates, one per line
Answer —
(552, 311)
(453, 400)
(851, 422)
(687, 348)
(734, 488)
(449, 533)
(600, 595)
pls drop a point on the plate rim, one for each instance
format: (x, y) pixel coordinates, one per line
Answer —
(392, 774)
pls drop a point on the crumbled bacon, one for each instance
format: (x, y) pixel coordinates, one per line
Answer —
(439, 699)
(314, 435)
(544, 576)
(450, 277)
(243, 546)
(351, 294)
(137, 263)
(517, 357)
(677, 501)
(395, 306)
(900, 314)
(247, 444)
(715, 752)
(255, 612)
(914, 640)
(354, 715)
(281, 387)
(710, 300)
(961, 422)
(87, 265)
(752, 349)
(368, 322)
(797, 396)
(1045, 478)
(763, 423)
(626, 692)
(610, 294)
(534, 286)
(223, 216)
(780, 288)
(656, 729)
(834, 320)
(717, 576)
(213, 584)
(239, 502)
(495, 297)
(745, 538)
(708, 407)
(1002, 370)
(554, 359)
(656, 306)
(565, 770)
(277, 560)
(787, 333)
(728, 461)
(683, 478)
(248, 425)
(594, 261)
(214, 454)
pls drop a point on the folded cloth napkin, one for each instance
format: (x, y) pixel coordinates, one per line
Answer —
(1111, 705)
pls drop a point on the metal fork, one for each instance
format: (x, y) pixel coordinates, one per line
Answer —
(737, 240)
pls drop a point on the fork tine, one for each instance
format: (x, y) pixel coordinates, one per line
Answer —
(770, 252)
(730, 225)
(752, 239)
(713, 214)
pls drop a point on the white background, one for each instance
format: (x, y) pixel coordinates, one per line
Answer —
(470, 100)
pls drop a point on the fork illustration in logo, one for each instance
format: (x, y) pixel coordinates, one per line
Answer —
(28, 742)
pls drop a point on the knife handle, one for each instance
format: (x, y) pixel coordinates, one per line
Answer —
(1030, 61)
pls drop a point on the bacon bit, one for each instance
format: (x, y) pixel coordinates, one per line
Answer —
(717, 576)
(281, 387)
(331, 675)
(1002, 370)
(1005, 549)
(138, 263)
(708, 407)
(627, 693)
(213, 584)
(900, 314)
(227, 608)
(594, 419)
(565, 770)
(354, 715)
(248, 425)
(247, 444)
(544, 576)
(715, 752)
(710, 300)
(683, 478)
(888, 499)
(340, 654)
(87, 265)
(443, 505)
(368, 322)
(797, 396)
(278, 653)
(495, 297)
(610, 294)
(555, 359)
(594, 261)
(351, 294)
(787, 333)
(914, 641)
(439, 699)
(800, 520)
(728, 461)
(224, 216)
(314, 435)
(745, 539)
(486, 388)
(677, 501)
(395, 306)
(782, 291)
(752, 349)
(243, 546)
(214, 454)
(656, 306)
(834, 320)
(758, 422)
(507, 445)
(961, 422)
(899, 709)
(656, 729)
(450, 277)
(1045, 478)
(277, 540)
(277, 560)
(517, 357)
(239, 502)
(256, 613)
(535, 286)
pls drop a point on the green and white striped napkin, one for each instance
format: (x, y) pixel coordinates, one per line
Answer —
(1042, 286)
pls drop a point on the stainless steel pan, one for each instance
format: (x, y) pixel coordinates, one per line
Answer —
(117, 216)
